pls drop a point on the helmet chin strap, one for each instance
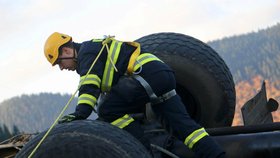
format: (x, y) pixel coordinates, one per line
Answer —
(75, 55)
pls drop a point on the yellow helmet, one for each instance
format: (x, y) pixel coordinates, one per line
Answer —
(52, 45)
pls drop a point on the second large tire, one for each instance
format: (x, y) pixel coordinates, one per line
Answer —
(85, 139)
(204, 81)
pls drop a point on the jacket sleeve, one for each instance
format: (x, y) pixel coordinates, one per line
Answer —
(89, 85)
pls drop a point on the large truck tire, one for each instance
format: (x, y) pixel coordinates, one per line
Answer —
(204, 82)
(85, 139)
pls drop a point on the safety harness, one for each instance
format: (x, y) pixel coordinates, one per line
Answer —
(136, 61)
(153, 97)
(134, 67)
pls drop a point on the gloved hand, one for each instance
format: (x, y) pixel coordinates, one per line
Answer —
(67, 118)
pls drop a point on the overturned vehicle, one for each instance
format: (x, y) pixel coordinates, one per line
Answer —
(204, 84)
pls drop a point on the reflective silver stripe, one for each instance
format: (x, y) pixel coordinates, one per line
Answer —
(194, 137)
(109, 68)
(123, 121)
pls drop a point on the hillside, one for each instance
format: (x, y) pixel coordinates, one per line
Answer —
(33, 113)
(252, 54)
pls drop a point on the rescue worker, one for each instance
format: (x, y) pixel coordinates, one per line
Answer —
(131, 77)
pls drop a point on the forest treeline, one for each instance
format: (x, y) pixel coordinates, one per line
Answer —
(252, 54)
(5, 133)
(33, 113)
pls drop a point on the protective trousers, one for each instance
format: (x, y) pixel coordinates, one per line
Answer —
(128, 96)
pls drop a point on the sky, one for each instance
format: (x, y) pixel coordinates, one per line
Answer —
(26, 24)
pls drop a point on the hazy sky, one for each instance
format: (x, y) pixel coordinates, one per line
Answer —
(25, 25)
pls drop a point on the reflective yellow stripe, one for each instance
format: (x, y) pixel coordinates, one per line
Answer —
(194, 137)
(123, 121)
(143, 59)
(109, 67)
(91, 79)
(87, 99)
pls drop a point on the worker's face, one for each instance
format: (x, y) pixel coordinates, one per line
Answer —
(66, 60)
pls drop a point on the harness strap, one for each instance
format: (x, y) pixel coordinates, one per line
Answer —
(147, 87)
(133, 57)
(153, 97)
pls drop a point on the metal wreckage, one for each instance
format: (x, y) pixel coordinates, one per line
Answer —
(205, 85)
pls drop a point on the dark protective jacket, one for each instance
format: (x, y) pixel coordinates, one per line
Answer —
(98, 78)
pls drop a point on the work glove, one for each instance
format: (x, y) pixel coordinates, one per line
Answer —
(67, 118)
